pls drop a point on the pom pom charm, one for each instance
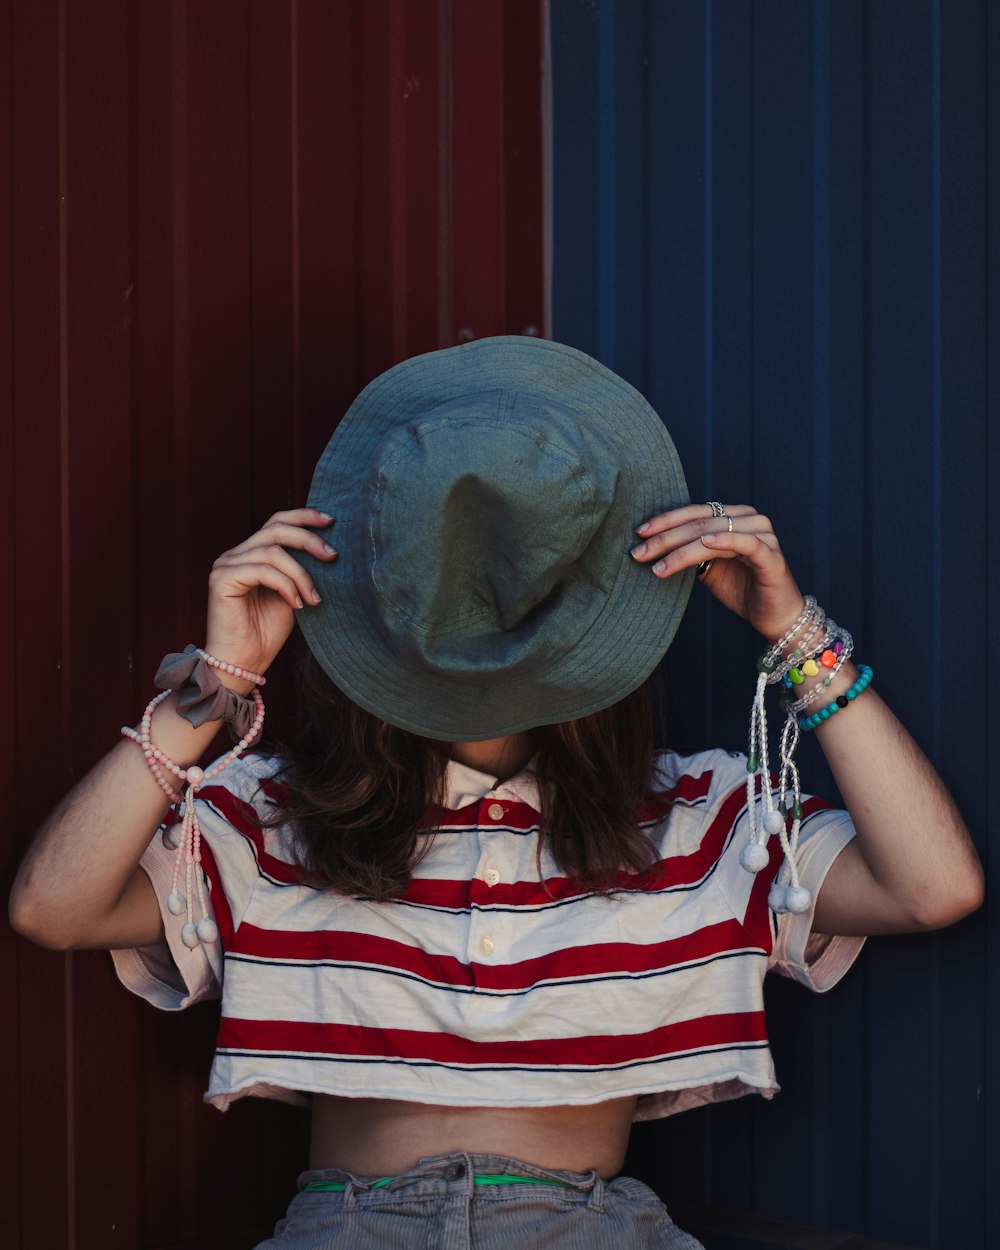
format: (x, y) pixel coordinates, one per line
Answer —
(776, 899)
(774, 822)
(797, 899)
(754, 857)
(185, 836)
(784, 899)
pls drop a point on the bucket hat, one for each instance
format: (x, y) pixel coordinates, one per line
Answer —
(484, 501)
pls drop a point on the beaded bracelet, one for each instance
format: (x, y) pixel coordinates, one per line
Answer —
(812, 635)
(863, 681)
(775, 664)
(188, 846)
(773, 667)
(837, 643)
(245, 674)
(201, 695)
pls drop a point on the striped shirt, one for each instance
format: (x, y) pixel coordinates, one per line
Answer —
(494, 980)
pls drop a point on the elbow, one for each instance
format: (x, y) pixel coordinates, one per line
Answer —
(938, 911)
(30, 921)
(976, 894)
(971, 901)
(27, 927)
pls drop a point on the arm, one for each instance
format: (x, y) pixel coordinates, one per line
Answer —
(913, 865)
(80, 884)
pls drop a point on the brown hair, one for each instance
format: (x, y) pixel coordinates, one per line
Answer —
(359, 789)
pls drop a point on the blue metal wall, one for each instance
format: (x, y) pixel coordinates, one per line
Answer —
(776, 220)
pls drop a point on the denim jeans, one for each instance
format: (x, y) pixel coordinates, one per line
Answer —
(437, 1205)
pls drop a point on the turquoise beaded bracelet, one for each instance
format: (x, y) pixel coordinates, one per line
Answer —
(865, 675)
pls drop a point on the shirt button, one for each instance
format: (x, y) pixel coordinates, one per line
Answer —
(494, 811)
(486, 946)
(492, 876)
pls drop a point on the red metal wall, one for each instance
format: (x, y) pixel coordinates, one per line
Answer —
(224, 217)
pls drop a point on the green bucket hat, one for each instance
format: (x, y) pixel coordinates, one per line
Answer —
(485, 499)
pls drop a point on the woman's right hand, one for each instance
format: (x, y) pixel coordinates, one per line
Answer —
(255, 589)
(100, 830)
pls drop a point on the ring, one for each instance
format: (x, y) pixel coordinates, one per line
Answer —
(717, 511)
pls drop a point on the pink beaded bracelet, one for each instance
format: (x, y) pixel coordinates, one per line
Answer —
(189, 845)
(233, 669)
(201, 696)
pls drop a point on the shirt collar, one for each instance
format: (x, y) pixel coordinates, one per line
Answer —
(464, 785)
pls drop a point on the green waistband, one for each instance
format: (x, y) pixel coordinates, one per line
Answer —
(483, 1178)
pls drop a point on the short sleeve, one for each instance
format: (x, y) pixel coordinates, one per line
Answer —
(715, 783)
(817, 960)
(230, 809)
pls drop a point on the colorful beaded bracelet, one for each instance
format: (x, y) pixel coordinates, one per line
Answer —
(833, 653)
(865, 675)
(814, 647)
(763, 818)
(827, 659)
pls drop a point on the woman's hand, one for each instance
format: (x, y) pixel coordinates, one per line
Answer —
(255, 589)
(100, 830)
(748, 574)
(912, 865)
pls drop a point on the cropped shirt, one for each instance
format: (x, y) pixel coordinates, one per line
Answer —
(494, 980)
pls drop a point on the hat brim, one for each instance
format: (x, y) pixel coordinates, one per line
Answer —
(626, 637)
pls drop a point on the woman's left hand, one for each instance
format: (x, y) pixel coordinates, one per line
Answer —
(912, 865)
(748, 574)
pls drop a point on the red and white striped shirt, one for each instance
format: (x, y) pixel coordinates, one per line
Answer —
(483, 985)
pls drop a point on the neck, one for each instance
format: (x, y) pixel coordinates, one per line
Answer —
(498, 757)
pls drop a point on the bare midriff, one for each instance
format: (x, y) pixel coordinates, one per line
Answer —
(383, 1137)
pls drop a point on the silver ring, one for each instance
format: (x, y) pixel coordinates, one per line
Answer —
(717, 508)
(730, 520)
(703, 568)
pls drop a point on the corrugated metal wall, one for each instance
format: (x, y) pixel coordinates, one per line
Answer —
(779, 219)
(219, 220)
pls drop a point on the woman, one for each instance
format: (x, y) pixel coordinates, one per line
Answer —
(468, 916)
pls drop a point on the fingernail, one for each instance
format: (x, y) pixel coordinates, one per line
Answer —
(639, 551)
(315, 596)
(328, 549)
(641, 529)
(708, 539)
(660, 566)
(298, 602)
(326, 516)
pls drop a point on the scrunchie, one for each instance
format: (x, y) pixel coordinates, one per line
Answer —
(201, 696)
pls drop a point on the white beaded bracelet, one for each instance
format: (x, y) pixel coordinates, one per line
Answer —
(815, 634)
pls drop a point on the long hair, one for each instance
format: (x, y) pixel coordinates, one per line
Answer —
(358, 791)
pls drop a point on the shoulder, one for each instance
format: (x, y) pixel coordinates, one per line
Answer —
(702, 799)
(246, 796)
(705, 775)
(258, 780)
